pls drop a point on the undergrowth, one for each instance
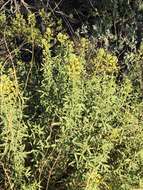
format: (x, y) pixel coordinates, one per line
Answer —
(67, 122)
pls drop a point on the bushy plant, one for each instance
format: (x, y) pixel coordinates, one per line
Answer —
(66, 120)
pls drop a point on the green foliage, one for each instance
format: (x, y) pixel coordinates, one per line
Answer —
(13, 133)
(66, 121)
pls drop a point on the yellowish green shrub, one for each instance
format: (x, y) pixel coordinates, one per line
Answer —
(63, 124)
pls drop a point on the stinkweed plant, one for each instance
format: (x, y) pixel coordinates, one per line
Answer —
(66, 121)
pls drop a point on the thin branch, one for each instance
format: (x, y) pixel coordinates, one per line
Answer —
(3, 6)
(51, 170)
(7, 176)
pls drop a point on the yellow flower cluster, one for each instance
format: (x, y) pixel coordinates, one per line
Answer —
(62, 38)
(6, 85)
(105, 62)
(84, 43)
(74, 65)
(31, 19)
(93, 180)
(19, 24)
(48, 31)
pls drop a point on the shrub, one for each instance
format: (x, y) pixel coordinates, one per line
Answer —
(66, 120)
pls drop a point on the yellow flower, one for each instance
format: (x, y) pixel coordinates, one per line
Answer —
(48, 31)
(74, 65)
(62, 38)
(105, 62)
(6, 85)
(93, 180)
(101, 53)
(84, 43)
